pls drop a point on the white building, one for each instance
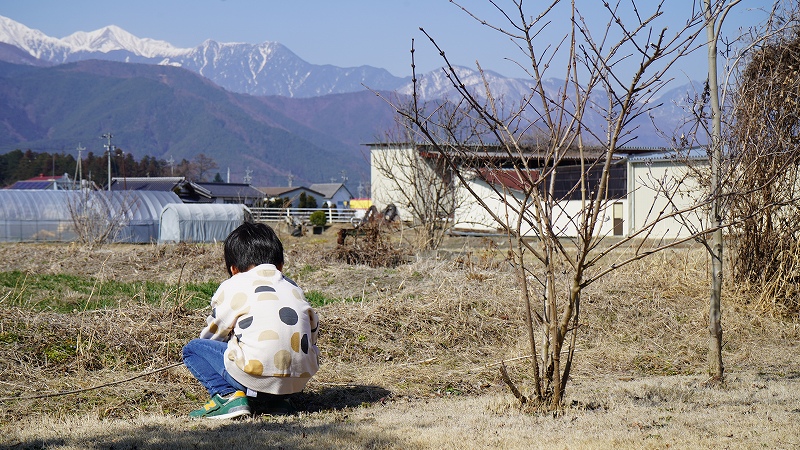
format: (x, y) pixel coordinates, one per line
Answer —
(644, 185)
(661, 184)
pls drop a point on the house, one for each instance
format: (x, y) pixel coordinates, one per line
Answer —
(291, 194)
(334, 193)
(630, 203)
(43, 182)
(192, 191)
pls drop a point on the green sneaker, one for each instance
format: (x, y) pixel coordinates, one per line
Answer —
(223, 408)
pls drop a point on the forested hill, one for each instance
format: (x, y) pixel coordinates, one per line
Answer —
(167, 112)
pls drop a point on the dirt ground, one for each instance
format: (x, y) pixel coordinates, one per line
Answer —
(410, 358)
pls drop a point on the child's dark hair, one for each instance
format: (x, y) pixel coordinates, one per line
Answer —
(252, 244)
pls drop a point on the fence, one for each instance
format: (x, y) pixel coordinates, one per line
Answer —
(333, 215)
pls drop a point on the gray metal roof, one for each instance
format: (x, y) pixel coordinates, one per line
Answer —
(281, 191)
(328, 190)
(692, 154)
(231, 190)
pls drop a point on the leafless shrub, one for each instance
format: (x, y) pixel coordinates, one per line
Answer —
(368, 244)
(96, 219)
(766, 148)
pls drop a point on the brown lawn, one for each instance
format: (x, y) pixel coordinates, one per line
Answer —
(410, 356)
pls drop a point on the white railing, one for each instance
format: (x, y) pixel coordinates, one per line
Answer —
(333, 215)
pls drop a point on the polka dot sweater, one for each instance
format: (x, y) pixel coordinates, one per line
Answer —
(270, 328)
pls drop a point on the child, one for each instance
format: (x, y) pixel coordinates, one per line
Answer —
(261, 337)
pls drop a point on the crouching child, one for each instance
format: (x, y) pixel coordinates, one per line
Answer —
(260, 341)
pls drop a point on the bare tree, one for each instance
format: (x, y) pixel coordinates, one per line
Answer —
(204, 165)
(562, 189)
(715, 15)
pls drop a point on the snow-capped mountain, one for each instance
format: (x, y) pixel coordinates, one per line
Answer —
(111, 38)
(268, 68)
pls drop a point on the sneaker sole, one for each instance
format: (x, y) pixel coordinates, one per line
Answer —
(235, 412)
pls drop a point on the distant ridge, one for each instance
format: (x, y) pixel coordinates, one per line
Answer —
(165, 111)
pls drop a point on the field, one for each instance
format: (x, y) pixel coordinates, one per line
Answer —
(410, 355)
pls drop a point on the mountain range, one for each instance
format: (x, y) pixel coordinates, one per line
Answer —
(246, 105)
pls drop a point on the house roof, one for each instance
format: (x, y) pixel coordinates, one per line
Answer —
(282, 191)
(28, 184)
(498, 154)
(509, 178)
(42, 182)
(42, 177)
(187, 190)
(692, 154)
(145, 183)
(328, 190)
(231, 190)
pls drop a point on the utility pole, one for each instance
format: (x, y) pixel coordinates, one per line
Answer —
(108, 136)
(171, 162)
(78, 168)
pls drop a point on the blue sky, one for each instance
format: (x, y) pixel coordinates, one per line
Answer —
(344, 33)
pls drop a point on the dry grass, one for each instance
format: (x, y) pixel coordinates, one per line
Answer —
(409, 360)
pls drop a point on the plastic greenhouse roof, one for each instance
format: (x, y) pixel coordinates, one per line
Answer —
(19, 204)
(207, 211)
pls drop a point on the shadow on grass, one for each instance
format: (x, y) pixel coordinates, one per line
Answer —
(338, 397)
(260, 431)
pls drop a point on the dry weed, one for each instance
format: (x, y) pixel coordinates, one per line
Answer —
(435, 327)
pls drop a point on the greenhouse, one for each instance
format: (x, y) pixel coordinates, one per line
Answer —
(200, 222)
(39, 215)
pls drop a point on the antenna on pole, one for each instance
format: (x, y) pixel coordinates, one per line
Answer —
(108, 149)
(247, 176)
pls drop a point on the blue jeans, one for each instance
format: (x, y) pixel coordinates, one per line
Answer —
(205, 359)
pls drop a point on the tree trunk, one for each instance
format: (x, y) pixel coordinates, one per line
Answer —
(715, 368)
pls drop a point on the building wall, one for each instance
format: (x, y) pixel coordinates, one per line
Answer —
(647, 181)
(474, 217)
(340, 198)
(385, 190)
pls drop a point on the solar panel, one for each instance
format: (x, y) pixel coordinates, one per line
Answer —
(39, 185)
